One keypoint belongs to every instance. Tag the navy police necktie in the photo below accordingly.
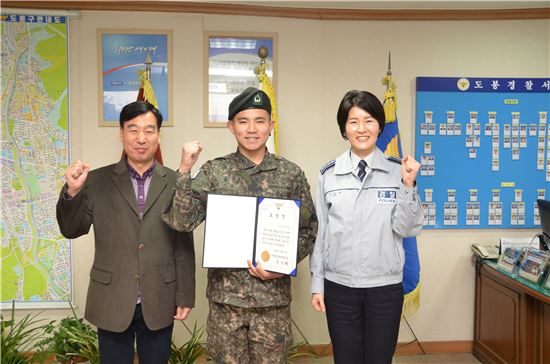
(362, 165)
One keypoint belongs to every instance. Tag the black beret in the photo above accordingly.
(251, 98)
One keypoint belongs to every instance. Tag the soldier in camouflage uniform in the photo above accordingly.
(249, 319)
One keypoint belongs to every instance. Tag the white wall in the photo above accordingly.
(318, 62)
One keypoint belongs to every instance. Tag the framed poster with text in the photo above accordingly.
(121, 54)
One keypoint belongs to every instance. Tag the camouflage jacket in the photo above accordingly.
(236, 175)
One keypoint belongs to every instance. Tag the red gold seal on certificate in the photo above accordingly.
(265, 256)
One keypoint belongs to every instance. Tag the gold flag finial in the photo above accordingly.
(388, 79)
(263, 52)
(148, 64)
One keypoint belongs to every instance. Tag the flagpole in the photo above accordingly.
(389, 64)
(267, 87)
(145, 93)
(148, 64)
(387, 80)
(411, 299)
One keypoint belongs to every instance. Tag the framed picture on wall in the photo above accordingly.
(230, 61)
(123, 55)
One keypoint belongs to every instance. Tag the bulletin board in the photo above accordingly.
(484, 148)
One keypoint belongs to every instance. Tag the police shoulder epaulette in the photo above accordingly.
(394, 159)
(328, 166)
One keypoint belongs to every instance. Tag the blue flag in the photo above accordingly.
(390, 143)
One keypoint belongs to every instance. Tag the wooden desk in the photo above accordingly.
(512, 320)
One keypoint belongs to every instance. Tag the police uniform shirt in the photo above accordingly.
(361, 224)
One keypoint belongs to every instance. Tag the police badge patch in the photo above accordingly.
(387, 196)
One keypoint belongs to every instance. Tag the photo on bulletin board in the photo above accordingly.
(123, 57)
(230, 61)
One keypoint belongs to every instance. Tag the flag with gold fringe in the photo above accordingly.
(267, 87)
(146, 93)
(390, 143)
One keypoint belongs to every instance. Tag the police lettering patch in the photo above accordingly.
(387, 196)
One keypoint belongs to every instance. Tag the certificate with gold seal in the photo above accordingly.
(260, 229)
(277, 235)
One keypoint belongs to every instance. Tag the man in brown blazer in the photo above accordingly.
(143, 274)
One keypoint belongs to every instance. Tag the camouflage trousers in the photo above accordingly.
(248, 335)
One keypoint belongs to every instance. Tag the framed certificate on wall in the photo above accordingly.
(230, 62)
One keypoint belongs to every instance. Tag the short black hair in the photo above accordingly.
(138, 108)
(364, 100)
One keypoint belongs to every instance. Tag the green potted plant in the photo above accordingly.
(71, 341)
(19, 337)
(191, 350)
(59, 343)
(86, 338)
